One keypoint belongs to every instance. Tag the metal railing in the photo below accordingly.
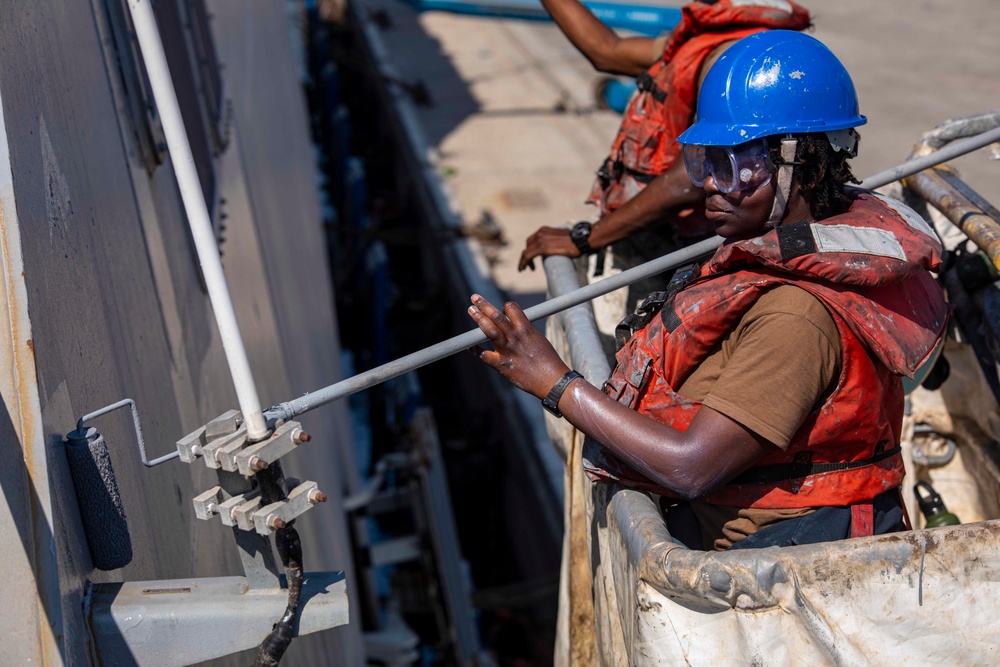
(575, 297)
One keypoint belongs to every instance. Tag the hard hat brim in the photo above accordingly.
(724, 134)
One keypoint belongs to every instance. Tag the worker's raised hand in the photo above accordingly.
(521, 354)
(546, 241)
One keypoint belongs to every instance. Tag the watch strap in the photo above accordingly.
(582, 241)
(551, 401)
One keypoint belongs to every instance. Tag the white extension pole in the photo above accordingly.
(197, 213)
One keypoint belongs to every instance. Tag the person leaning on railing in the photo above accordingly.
(762, 398)
(642, 182)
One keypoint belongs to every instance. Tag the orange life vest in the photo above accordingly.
(869, 268)
(663, 107)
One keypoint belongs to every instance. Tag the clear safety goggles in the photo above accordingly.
(742, 167)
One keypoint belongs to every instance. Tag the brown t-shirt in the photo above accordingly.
(775, 367)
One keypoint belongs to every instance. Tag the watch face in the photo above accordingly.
(580, 231)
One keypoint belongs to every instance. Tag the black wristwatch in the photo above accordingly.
(551, 402)
(580, 236)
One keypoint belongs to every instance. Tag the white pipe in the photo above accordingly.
(197, 214)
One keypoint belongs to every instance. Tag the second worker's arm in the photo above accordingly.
(670, 190)
(599, 44)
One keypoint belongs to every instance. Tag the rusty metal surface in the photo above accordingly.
(31, 596)
(967, 215)
(116, 310)
(956, 128)
(944, 190)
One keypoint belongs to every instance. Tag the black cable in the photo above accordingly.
(271, 490)
(277, 641)
(289, 546)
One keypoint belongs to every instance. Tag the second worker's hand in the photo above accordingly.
(546, 241)
(521, 353)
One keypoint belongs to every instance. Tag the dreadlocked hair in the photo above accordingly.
(821, 173)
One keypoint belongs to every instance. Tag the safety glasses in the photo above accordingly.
(734, 168)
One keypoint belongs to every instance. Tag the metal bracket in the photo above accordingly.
(188, 621)
(242, 514)
(206, 505)
(223, 443)
(259, 455)
(194, 445)
(276, 515)
(220, 452)
(244, 510)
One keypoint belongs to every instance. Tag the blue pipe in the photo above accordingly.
(615, 94)
(644, 19)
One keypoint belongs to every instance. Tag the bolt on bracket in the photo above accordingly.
(259, 455)
(277, 515)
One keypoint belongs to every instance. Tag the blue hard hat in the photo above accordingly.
(773, 82)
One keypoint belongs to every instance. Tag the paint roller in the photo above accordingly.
(98, 498)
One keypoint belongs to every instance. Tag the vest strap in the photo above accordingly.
(863, 519)
(784, 180)
(641, 176)
(611, 171)
(653, 304)
(645, 83)
(640, 317)
(668, 315)
(801, 467)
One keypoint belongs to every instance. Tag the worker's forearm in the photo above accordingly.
(648, 446)
(710, 451)
(665, 193)
(599, 44)
(587, 32)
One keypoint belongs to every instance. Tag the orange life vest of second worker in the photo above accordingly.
(869, 268)
(663, 108)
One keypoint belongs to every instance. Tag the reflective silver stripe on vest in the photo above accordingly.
(775, 4)
(857, 240)
(912, 218)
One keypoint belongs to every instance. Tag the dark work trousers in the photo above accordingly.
(827, 524)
